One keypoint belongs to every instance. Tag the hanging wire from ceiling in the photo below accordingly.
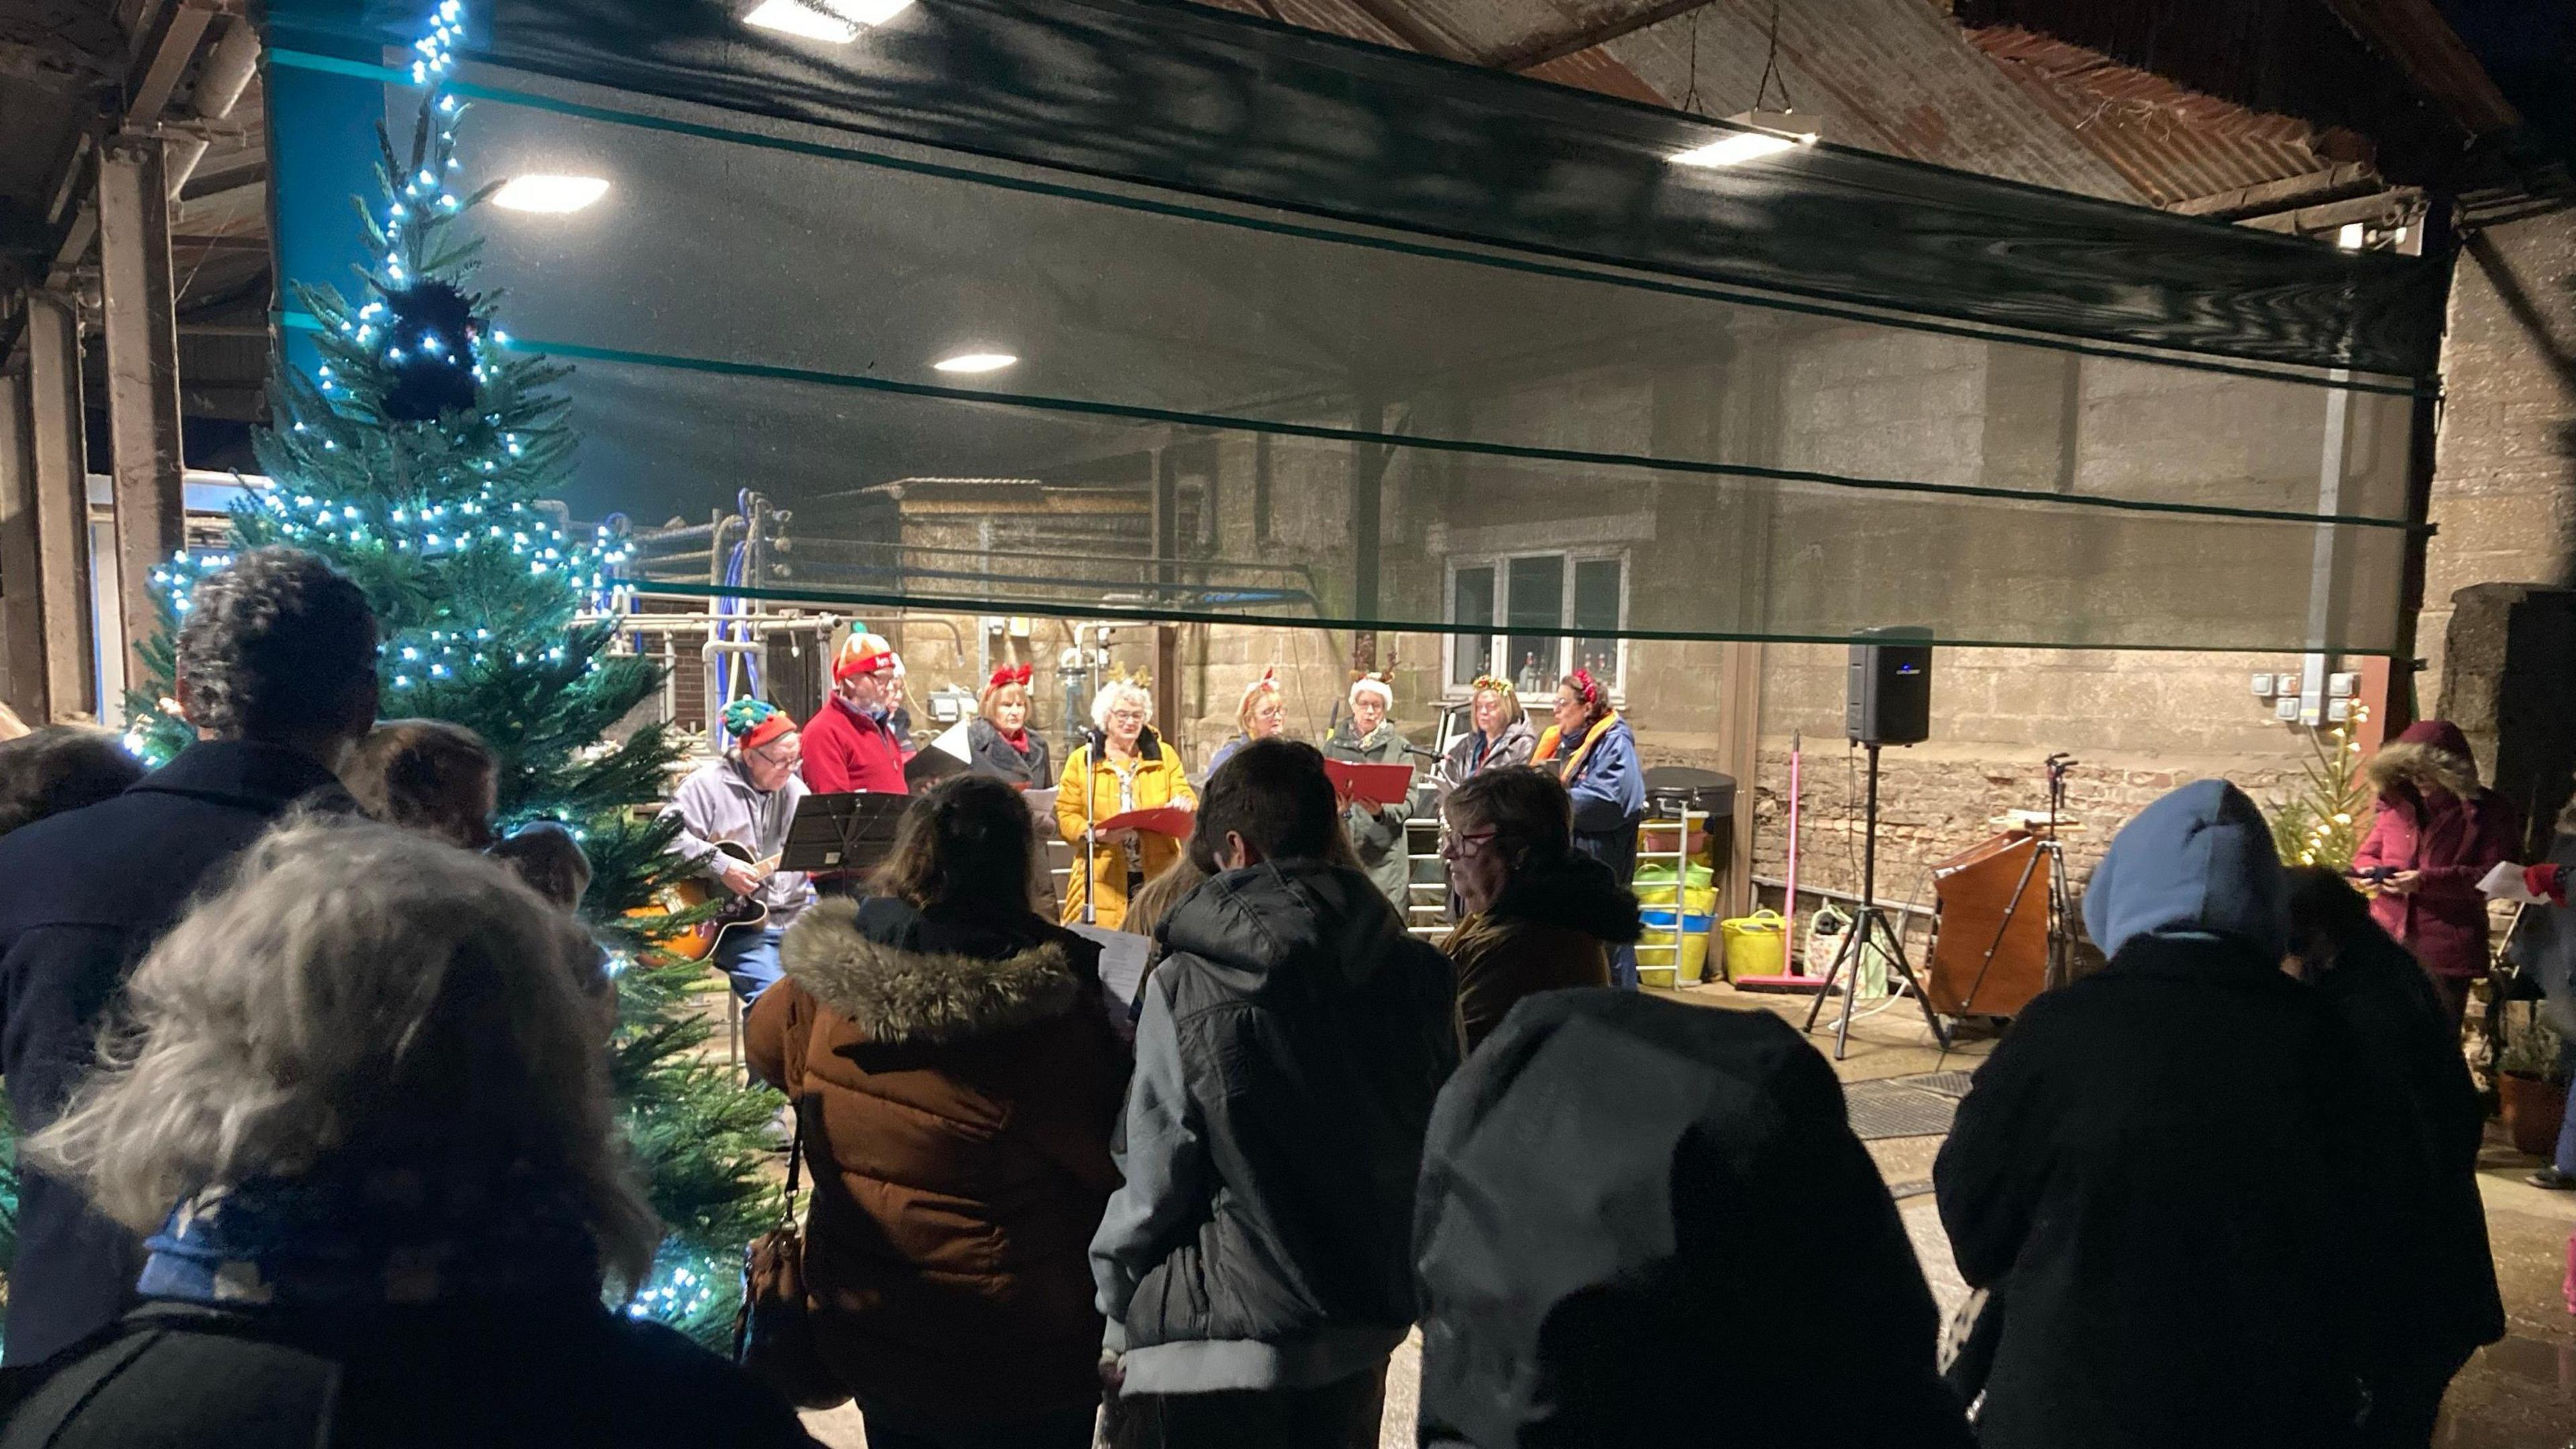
(1770, 66)
(1690, 94)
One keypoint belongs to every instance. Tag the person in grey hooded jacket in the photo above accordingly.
(1255, 1268)
(2162, 1174)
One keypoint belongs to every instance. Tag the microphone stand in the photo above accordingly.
(1090, 834)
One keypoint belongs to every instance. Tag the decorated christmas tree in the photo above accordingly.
(416, 458)
(2322, 821)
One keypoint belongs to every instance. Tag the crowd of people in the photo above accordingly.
(322, 1149)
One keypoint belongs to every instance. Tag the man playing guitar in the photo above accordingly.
(744, 802)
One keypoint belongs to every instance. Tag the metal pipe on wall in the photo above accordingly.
(221, 80)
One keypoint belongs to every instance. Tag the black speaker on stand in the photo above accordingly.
(1888, 702)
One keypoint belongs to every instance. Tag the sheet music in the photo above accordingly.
(1122, 972)
(2505, 883)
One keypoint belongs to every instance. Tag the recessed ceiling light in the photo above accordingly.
(549, 193)
(975, 362)
(1766, 133)
(834, 22)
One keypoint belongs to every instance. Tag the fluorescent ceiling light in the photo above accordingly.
(834, 22)
(1731, 150)
(867, 12)
(975, 362)
(1765, 133)
(549, 193)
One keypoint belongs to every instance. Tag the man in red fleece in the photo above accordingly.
(850, 743)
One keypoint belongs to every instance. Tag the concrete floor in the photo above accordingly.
(2517, 1394)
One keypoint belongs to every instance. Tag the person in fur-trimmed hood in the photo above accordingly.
(956, 1081)
(2437, 832)
(1540, 915)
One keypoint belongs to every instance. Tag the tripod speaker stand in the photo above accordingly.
(1870, 923)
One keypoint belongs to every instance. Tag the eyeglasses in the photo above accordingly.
(769, 753)
(1459, 844)
(1129, 716)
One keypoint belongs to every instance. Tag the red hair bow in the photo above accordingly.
(1009, 674)
(1585, 687)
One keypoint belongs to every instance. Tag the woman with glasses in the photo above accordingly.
(746, 800)
(1377, 832)
(1591, 749)
(1540, 915)
(1262, 716)
(1127, 766)
(1502, 736)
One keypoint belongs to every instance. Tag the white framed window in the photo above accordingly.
(1518, 595)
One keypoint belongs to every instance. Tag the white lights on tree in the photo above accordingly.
(1765, 133)
(549, 194)
(976, 362)
(834, 22)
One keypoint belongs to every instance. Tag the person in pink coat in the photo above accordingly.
(2437, 833)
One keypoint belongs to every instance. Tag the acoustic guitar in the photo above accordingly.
(698, 941)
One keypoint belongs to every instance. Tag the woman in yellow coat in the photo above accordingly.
(1135, 771)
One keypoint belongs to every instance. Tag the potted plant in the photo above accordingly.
(2531, 1087)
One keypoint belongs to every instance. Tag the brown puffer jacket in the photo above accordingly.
(956, 1081)
(1550, 930)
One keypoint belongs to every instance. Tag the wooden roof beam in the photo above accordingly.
(1538, 51)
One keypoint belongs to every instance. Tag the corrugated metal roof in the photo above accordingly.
(1896, 76)
(2172, 144)
(1890, 75)
(1592, 70)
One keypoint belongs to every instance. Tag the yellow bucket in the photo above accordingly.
(1683, 952)
(1756, 945)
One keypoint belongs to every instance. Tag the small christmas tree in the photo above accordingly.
(2323, 820)
(415, 459)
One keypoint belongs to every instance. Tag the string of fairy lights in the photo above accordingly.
(499, 526)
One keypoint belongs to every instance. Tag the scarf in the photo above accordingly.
(357, 1232)
(1017, 739)
(1573, 766)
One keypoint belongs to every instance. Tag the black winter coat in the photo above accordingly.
(494, 1377)
(1648, 1225)
(82, 897)
(2442, 1285)
(1292, 1040)
(2164, 1174)
(994, 755)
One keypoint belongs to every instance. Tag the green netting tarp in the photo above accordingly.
(1307, 331)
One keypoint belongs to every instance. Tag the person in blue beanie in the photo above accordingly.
(2163, 1175)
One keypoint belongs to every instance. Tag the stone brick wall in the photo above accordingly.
(2504, 486)
(1935, 801)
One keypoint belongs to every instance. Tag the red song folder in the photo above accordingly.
(1375, 785)
(1169, 820)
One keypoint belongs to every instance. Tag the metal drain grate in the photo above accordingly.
(1948, 1084)
(1897, 1108)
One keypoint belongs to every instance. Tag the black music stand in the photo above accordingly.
(842, 834)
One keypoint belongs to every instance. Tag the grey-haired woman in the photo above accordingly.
(361, 1113)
